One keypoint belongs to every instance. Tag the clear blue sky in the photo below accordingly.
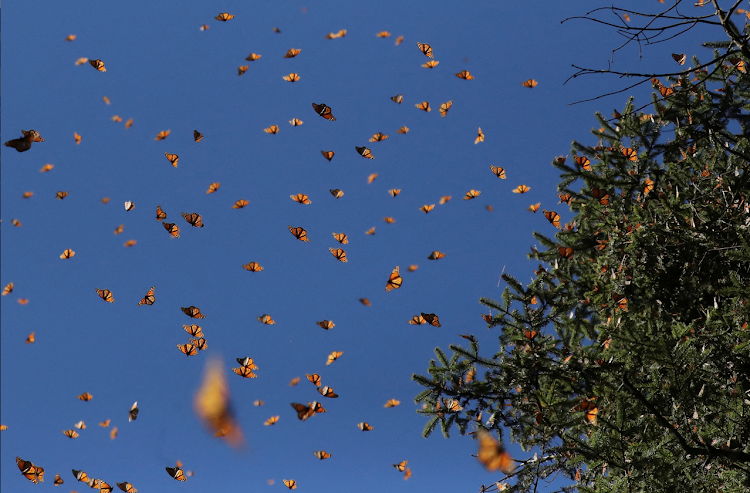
(165, 73)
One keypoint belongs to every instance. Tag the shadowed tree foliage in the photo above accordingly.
(625, 364)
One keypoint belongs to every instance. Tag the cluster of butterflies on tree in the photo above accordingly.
(212, 403)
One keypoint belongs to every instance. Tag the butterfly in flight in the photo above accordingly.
(223, 17)
(321, 454)
(431, 64)
(105, 294)
(531, 83)
(401, 465)
(445, 107)
(290, 483)
(253, 267)
(133, 413)
(33, 473)
(431, 319)
(24, 143)
(327, 154)
(324, 111)
(197, 135)
(301, 198)
(392, 403)
(192, 312)
(172, 229)
(394, 281)
(464, 74)
(341, 238)
(365, 426)
(492, 455)
(364, 152)
(149, 298)
(471, 194)
(67, 254)
(480, 136)
(240, 204)
(291, 77)
(176, 473)
(299, 233)
(193, 219)
(98, 65)
(162, 135)
(293, 52)
(333, 357)
(425, 49)
(339, 254)
(399, 98)
(336, 193)
(424, 105)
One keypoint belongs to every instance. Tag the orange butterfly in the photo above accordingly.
(188, 349)
(436, 255)
(194, 219)
(620, 302)
(291, 53)
(336, 193)
(341, 238)
(392, 403)
(299, 233)
(383, 34)
(417, 320)
(61, 195)
(247, 363)
(221, 17)
(521, 189)
(529, 83)
(290, 483)
(431, 64)
(401, 465)
(129, 206)
(85, 397)
(471, 194)
(389, 220)
(371, 178)
(339, 254)
(431, 319)
(630, 153)
(271, 421)
(212, 404)
(273, 129)
(314, 379)
(76, 137)
(240, 204)
(176, 472)
(565, 197)
(378, 137)
(46, 168)
(403, 130)
(326, 324)
(365, 301)
(149, 298)
(394, 191)
(399, 40)
(365, 426)
(464, 74)
(172, 229)
(266, 319)
(296, 122)
(31, 339)
(129, 123)
(199, 343)
(499, 172)
(8, 288)
(565, 252)
(98, 65)
(70, 433)
(601, 195)
(301, 198)
(394, 281)
(67, 253)
(103, 424)
(427, 208)
(445, 107)
(324, 111)
(424, 105)
(480, 136)
(407, 473)
(129, 243)
(425, 49)
(162, 135)
(364, 152)
(553, 217)
(327, 154)
(252, 57)
(116, 118)
(160, 214)
(245, 372)
(590, 408)
(398, 98)
(306, 411)
(197, 135)
(58, 480)
(492, 455)
(192, 312)
(321, 454)
(105, 294)
(127, 487)
(27, 195)
(583, 162)
(649, 186)
(33, 473)
(253, 267)
(444, 199)
(327, 392)
(242, 69)
(291, 77)
(333, 357)
(193, 330)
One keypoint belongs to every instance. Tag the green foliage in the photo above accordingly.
(626, 364)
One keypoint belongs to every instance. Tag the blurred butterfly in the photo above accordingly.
(242, 69)
(306, 411)
(339, 254)
(394, 191)
(296, 122)
(85, 397)
(565, 252)
(499, 172)
(192, 312)
(194, 219)
(105, 294)
(213, 187)
(271, 421)
(394, 281)
(620, 302)
(70, 433)
(213, 405)
(24, 143)
(299, 233)
(103, 424)
(403, 130)
(431, 319)
(398, 98)
(464, 74)
(471, 194)
(324, 111)
(424, 105)
(364, 152)
(149, 298)
(333, 357)
(425, 49)
(407, 473)
(176, 472)
(98, 65)
(61, 195)
(392, 403)
(341, 238)
(67, 253)
(193, 330)
(240, 204)
(27, 195)
(589, 408)
(401, 465)
(445, 107)
(133, 413)
(436, 255)
(188, 349)
(314, 379)
(301, 198)
(247, 363)
(129, 123)
(383, 34)
(341, 33)
(8, 288)
(33, 473)
(321, 454)
(534, 207)
(291, 77)
(553, 217)
(81, 61)
(197, 135)
(521, 189)
(80, 425)
(417, 320)
(336, 193)
(46, 167)
(444, 199)
(162, 135)
(172, 229)
(23, 301)
(679, 58)
(129, 206)
(601, 195)
(222, 17)
(294, 381)
(529, 83)
(252, 57)
(365, 301)
(293, 52)
(327, 154)
(365, 426)
(266, 319)
(389, 220)
(253, 267)
(273, 129)
(77, 138)
(480, 137)
(290, 483)
(58, 480)
(378, 137)
(431, 64)
(127, 487)
(327, 392)
(70, 37)
(116, 118)
(399, 40)
(245, 372)
(371, 178)
(276, 30)
(492, 455)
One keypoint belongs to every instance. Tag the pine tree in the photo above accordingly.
(625, 364)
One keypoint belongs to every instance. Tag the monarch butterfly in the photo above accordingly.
(27, 195)
(160, 214)
(80, 425)
(394, 281)
(464, 74)
(258, 403)
(378, 137)
(499, 172)
(531, 83)
(222, 17)
(199, 343)
(172, 229)
(492, 455)
(127, 487)
(341, 238)
(394, 191)
(70, 433)
(399, 40)
(213, 187)
(431, 319)
(339, 254)
(46, 167)
(365, 426)
(398, 98)
(649, 186)
(77, 138)
(407, 473)
(341, 33)
(266, 319)
(8, 288)
(327, 392)
(417, 320)
(521, 189)
(194, 219)
(240, 204)
(61, 195)
(301, 198)
(245, 371)
(331, 36)
(273, 129)
(401, 465)
(324, 111)
(103, 424)
(116, 118)
(105, 294)
(133, 413)
(431, 64)
(314, 379)
(436, 255)
(389, 220)
(299, 233)
(67, 253)
(291, 77)
(291, 53)
(392, 403)
(81, 61)
(590, 408)
(370, 231)
(296, 122)
(328, 155)
(247, 363)
(424, 105)
(445, 107)
(304, 412)
(271, 421)
(192, 312)
(242, 69)
(58, 480)
(553, 217)
(252, 57)
(534, 207)
(129, 123)
(188, 349)
(426, 49)
(601, 195)
(403, 130)
(162, 135)
(80, 475)
(471, 194)
(129, 206)
(70, 37)
(336, 193)
(565, 197)
(383, 34)
(253, 267)
(321, 454)
(679, 58)
(630, 153)
(98, 65)
(193, 330)
(620, 302)
(333, 357)
(480, 137)
(33, 473)
(149, 298)
(444, 199)
(371, 178)
(85, 397)
(365, 301)
(364, 152)
(565, 252)
(23, 301)
(583, 162)
(176, 472)
(290, 483)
